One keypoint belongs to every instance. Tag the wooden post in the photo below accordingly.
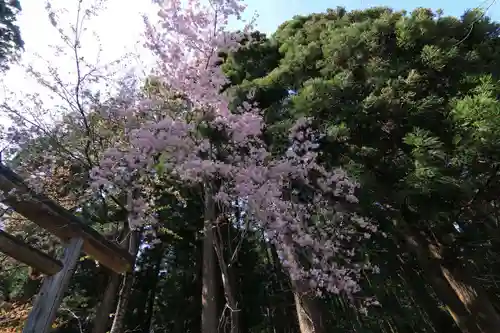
(52, 292)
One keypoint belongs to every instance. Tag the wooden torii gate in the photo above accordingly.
(71, 230)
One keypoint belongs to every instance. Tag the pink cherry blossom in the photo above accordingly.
(318, 229)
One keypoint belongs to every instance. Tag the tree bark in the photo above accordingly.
(440, 320)
(228, 285)
(309, 311)
(102, 316)
(209, 288)
(466, 302)
(126, 289)
(279, 312)
(148, 322)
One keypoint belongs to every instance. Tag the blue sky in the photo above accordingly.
(120, 26)
(274, 12)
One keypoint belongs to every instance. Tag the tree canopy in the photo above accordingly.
(339, 175)
(10, 34)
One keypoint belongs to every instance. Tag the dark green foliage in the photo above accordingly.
(408, 103)
(384, 87)
(10, 35)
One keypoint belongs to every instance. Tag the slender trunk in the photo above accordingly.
(417, 289)
(440, 320)
(102, 316)
(126, 289)
(279, 311)
(231, 302)
(466, 302)
(101, 321)
(121, 308)
(209, 288)
(152, 295)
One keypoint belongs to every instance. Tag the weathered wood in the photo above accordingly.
(61, 223)
(28, 255)
(52, 292)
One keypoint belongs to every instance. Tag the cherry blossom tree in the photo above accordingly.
(57, 133)
(222, 151)
(305, 210)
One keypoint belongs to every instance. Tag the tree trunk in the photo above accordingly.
(228, 284)
(101, 321)
(309, 311)
(440, 320)
(126, 290)
(106, 306)
(466, 302)
(147, 324)
(279, 309)
(209, 288)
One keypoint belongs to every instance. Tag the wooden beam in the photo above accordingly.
(28, 255)
(52, 292)
(61, 223)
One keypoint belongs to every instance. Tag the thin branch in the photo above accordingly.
(80, 108)
(74, 316)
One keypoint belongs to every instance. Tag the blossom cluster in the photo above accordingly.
(302, 207)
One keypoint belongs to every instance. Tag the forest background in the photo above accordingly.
(396, 112)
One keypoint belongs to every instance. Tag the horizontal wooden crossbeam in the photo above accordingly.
(28, 255)
(62, 223)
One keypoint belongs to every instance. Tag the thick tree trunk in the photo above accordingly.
(102, 316)
(466, 302)
(209, 318)
(309, 311)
